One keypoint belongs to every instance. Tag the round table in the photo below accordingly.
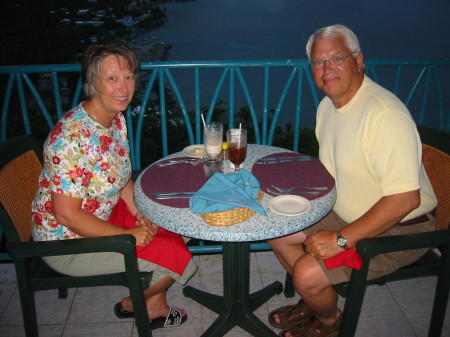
(236, 306)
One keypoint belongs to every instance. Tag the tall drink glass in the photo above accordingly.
(213, 138)
(237, 147)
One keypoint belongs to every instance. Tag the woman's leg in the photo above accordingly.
(104, 263)
(155, 298)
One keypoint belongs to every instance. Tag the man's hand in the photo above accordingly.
(322, 244)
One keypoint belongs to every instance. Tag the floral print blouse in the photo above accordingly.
(82, 159)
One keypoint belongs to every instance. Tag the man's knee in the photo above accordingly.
(308, 276)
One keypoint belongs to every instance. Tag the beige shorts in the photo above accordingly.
(110, 262)
(381, 264)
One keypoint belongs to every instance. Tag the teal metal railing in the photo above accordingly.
(267, 94)
(274, 92)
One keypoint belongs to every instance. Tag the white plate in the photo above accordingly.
(195, 151)
(290, 205)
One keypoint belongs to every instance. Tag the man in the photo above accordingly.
(369, 143)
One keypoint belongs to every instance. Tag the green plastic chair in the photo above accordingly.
(436, 262)
(19, 171)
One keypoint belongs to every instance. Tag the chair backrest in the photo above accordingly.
(437, 166)
(19, 173)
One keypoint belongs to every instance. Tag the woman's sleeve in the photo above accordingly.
(70, 163)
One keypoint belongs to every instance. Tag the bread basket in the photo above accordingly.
(232, 216)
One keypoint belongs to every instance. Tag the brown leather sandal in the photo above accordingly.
(313, 328)
(290, 315)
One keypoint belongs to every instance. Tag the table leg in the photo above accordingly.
(236, 306)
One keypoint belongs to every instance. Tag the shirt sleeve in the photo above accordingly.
(395, 152)
(70, 163)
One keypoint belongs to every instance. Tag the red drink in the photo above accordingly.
(237, 155)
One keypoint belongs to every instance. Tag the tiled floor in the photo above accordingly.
(400, 309)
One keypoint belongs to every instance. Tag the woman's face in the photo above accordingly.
(115, 86)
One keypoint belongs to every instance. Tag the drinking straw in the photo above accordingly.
(203, 119)
(239, 135)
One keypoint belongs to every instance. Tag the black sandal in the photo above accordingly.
(121, 312)
(173, 318)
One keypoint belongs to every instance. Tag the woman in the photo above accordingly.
(85, 188)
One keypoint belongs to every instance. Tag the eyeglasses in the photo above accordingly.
(333, 61)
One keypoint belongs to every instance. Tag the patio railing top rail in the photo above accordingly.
(266, 95)
(274, 93)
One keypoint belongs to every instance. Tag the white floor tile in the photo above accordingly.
(400, 309)
(6, 294)
(50, 309)
(121, 329)
(96, 305)
(7, 273)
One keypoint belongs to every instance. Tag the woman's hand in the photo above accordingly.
(144, 231)
(322, 244)
(144, 234)
(142, 221)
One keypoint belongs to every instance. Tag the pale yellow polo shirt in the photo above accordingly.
(372, 148)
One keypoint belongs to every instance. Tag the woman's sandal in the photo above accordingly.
(121, 312)
(290, 315)
(174, 317)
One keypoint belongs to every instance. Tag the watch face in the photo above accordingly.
(341, 242)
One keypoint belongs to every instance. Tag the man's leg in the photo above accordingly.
(315, 289)
(288, 249)
(318, 294)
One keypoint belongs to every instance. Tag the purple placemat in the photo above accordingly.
(302, 173)
(181, 177)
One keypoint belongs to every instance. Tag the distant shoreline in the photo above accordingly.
(148, 46)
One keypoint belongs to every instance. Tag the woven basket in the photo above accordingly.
(232, 216)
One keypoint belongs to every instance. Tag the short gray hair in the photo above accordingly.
(91, 67)
(334, 31)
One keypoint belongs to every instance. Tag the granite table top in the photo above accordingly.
(175, 215)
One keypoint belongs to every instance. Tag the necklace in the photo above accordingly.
(94, 112)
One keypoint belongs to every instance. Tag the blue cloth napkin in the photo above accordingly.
(223, 192)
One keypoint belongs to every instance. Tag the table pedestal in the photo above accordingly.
(236, 306)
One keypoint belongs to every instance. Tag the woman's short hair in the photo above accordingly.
(334, 31)
(93, 57)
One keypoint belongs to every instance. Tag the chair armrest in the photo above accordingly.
(368, 248)
(124, 243)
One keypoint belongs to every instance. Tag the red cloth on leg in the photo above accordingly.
(167, 249)
(348, 257)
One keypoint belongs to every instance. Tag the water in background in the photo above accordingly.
(278, 29)
(207, 30)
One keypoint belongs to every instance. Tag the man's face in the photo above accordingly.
(338, 82)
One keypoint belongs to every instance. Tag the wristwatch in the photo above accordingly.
(341, 241)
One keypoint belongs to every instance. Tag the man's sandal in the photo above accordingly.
(313, 328)
(290, 315)
(174, 317)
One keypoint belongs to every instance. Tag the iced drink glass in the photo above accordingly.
(237, 146)
(213, 138)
